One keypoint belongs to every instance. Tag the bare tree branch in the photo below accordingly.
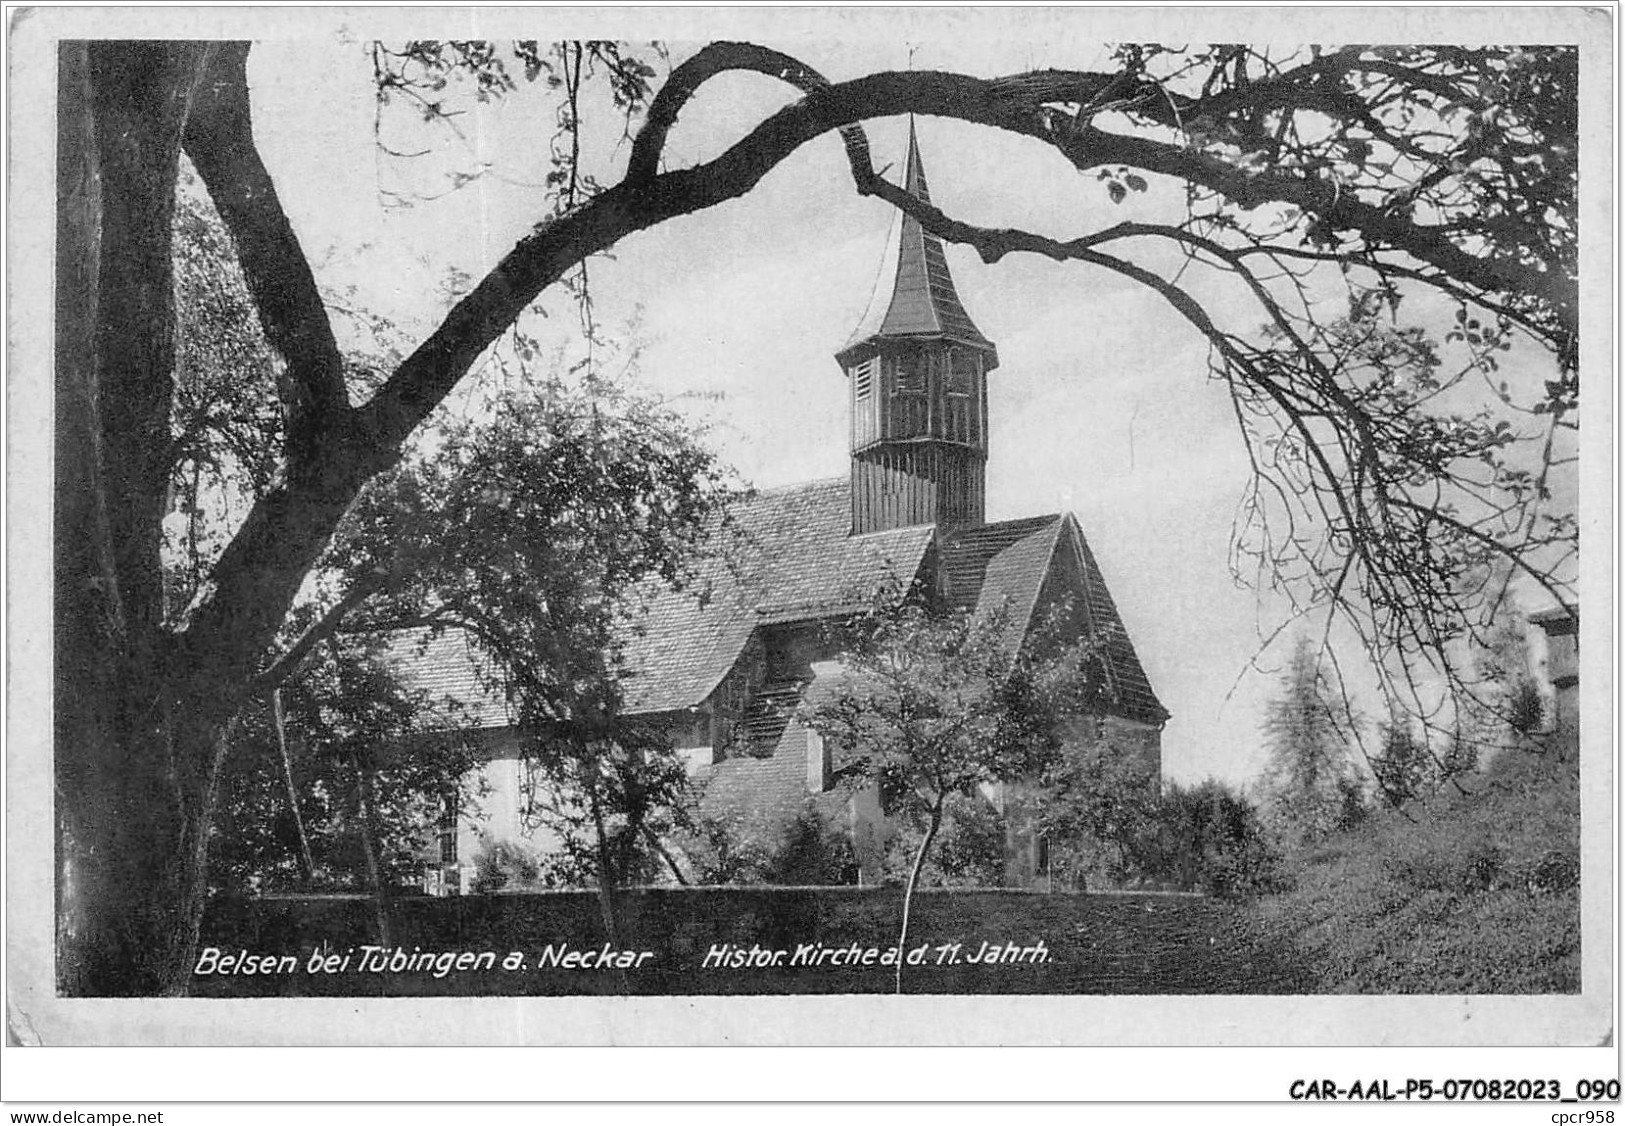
(710, 61)
(320, 630)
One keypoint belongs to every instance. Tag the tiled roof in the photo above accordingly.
(681, 645)
(770, 786)
(1130, 686)
(915, 295)
(1000, 565)
(1005, 564)
(450, 666)
(788, 557)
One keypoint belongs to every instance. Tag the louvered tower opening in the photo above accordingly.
(917, 376)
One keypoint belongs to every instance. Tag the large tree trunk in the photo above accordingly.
(137, 740)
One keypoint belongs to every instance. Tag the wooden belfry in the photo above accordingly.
(916, 370)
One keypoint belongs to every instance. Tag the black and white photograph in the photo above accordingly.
(954, 526)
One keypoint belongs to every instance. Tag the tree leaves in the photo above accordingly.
(1120, 181)
(932, 705)
(531, 530)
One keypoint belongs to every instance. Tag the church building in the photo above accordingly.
(721, 674)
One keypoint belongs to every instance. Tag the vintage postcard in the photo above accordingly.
(1056, 527)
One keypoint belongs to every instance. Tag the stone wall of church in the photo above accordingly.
(1143, 740)
(492, 810)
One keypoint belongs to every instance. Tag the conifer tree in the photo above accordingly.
(1310, 786)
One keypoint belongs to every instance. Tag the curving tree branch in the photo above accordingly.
(709, 62)
(287, 528)
(219, 139)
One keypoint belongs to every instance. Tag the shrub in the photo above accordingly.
(812, 851)
(1098, 808)
(731, 847)
(969, 850)
(1209, 838)
(1109, 822)
(500, 863)
(1310, 784)
(1458, 866)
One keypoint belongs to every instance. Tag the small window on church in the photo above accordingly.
(448, 830)
(961, 372)
(910, 377)
(863, 379)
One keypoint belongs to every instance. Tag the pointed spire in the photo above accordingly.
(914, 296)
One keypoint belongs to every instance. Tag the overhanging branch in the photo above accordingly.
(323, 628)
(288, 526)
(709, 62)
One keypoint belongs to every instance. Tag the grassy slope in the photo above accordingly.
(1476, 893)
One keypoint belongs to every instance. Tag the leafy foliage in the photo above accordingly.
(1100, 803)
(970, 849)
(727, 847)
(345, 713)
(934, 705)
(1210, 838)
(528, 523)
(730, 845)
(1402, 766)
(812, 850)
(532, 529)
(342, 706)
(611, 791)
(1507, 700)
(226, 422)
(504, 865)
(1112, 822)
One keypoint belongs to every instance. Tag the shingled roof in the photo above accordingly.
(767, 782)
(450, 666)
(1000, 565)
(1130, 687)
(789, 557)
(1005, 564)
(914, 295)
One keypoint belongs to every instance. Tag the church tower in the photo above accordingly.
(916, 372)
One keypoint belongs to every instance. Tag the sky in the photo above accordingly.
(1101, 404)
